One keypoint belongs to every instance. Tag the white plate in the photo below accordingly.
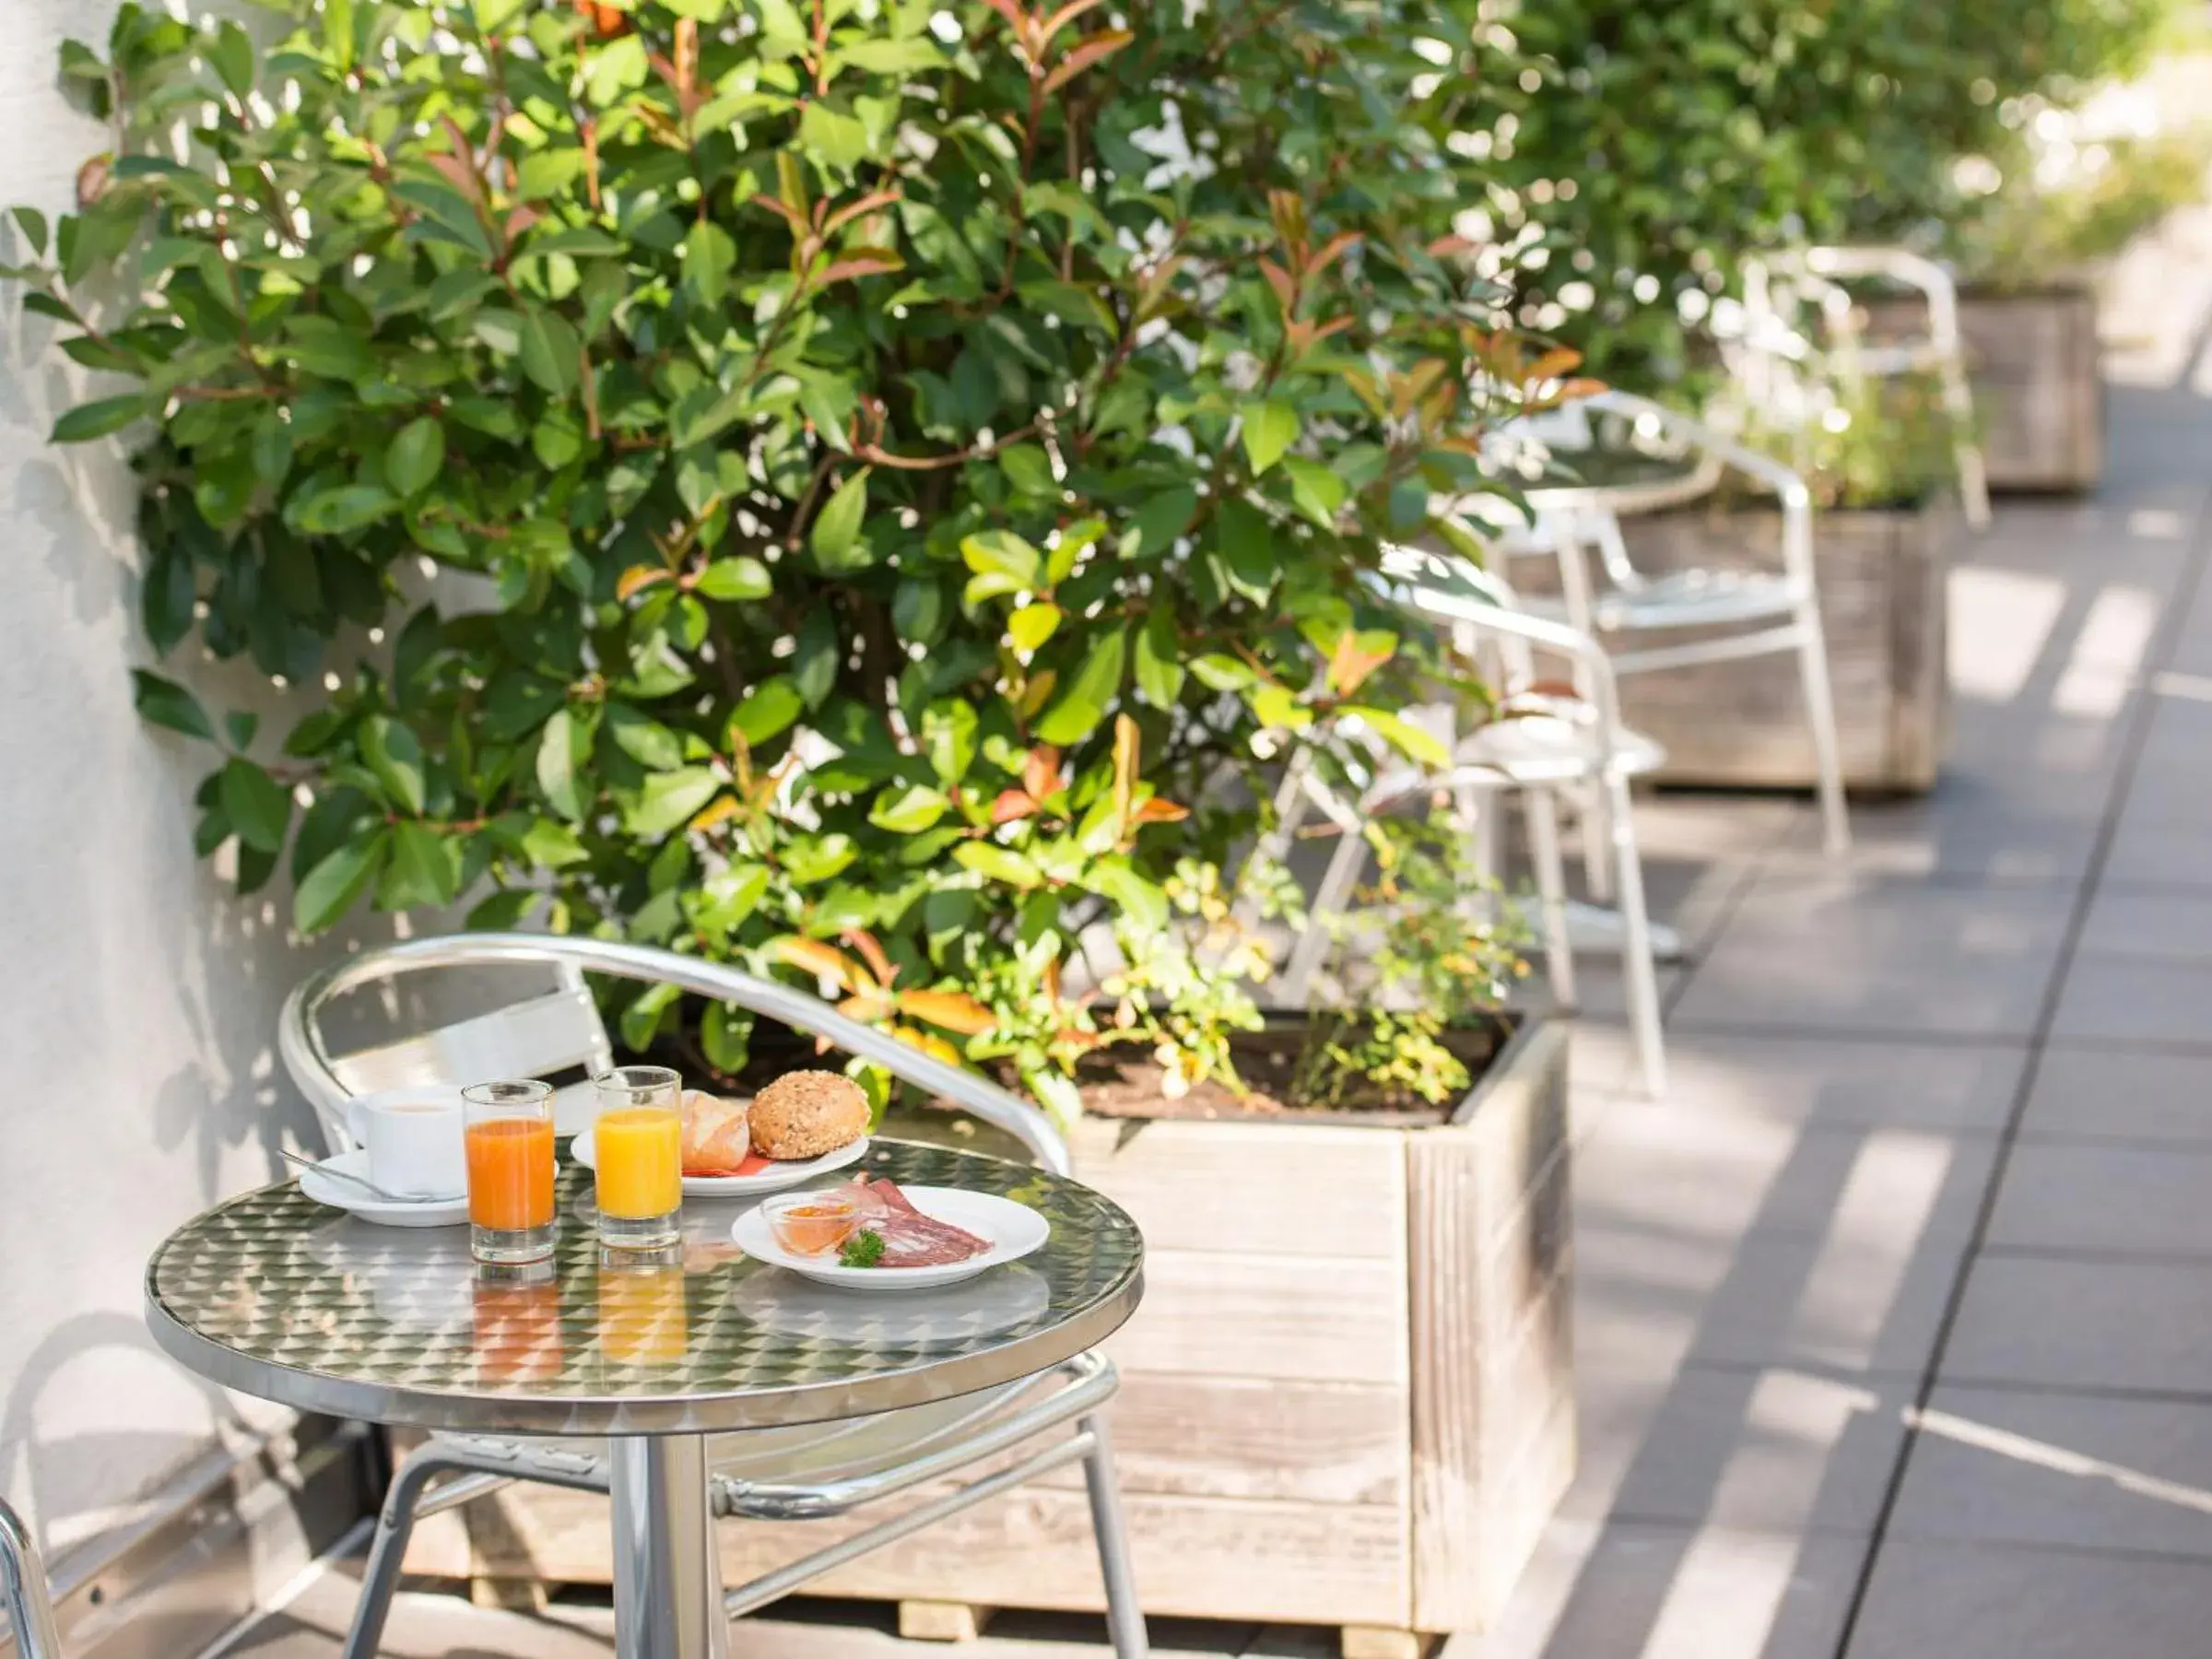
(783, 1175)
(949, 1315)
(1015, 1230)
(345, 1196)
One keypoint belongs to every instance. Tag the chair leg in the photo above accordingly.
(1973, 471)
(23, 1596)
(1543, 808)
(1124, 1614)
(1598, 842)
(1636, 964)
(1820, 720)
(1329, 898)
(394, 1524)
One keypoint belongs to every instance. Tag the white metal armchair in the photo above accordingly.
(1785, 292)
(23, 1593)
(1730, 613)
(1041, 1423)
(1576, 747)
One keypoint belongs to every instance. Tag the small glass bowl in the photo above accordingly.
(811, 1224)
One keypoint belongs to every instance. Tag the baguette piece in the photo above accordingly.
(807, 1114)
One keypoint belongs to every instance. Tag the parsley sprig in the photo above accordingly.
(864, 1249)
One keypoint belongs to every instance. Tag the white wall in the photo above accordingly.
(137, 997)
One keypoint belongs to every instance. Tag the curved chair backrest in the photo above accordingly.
(23, 1594)
(551, 1033)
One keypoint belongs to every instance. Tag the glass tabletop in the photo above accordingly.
(276, 1295)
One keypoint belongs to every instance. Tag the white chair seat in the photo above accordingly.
(1694, 598)
(1545, 748)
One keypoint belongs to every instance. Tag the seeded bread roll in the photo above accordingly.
(808, 1113)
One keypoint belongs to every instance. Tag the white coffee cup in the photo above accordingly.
(414, 1137)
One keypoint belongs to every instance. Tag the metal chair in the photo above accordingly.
(1734, 614)
(1576, 745)
(23, 1590)
(1779, 288)
(802, 1473)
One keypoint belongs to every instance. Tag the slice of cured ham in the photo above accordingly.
(910, 1238)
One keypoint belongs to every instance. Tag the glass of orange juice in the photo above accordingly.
(638, 1151)
(509, 1138)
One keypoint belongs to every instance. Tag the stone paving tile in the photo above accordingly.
(2085, 1472)
(1814, 952)
(1647, 1591)
(1864, 1301)
(1842, 1082)
(1772, 1450)
(1967, 1601)
(2167, 926)
(2159, 846)
(2136, 999)
(2046, 1321)
(2120, 1094)
(2090, 1199)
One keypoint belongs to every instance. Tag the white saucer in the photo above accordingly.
(1015, 1230)
(793, 1173)
(345, 1196)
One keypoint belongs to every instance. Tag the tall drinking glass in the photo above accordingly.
(510, 1141)
(637, 1147)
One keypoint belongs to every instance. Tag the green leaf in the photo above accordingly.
(708, 256)
(167, 597)
(948, 738)
(417, 452)
(643, 1019)
(1082, 701)
(394, 755)
(836, 532)
(335, 511)
(910, 810)
(995, 862)
(771, 706)
(166, 704)
(1002, 554)
(1317, 490)
(551, 845)
(423, 869)
(503, 911)
(272, 448)
(735, 579)
(1247, 543)
(643, 739)
(726, 1033)
(670, 800)
(256, 805)
(813, 665)
(232, 53)
(32, 223)
(97, 418)
(240, 725)
(1270, 428)
(1160, 671)
(836, 140)
(331, 888)
(562, 750)
(1163, 517)
(1409, 739)
(550, 351)
(1032, 625)
(1141, 902)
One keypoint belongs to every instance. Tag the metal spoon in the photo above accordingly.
(366, 1184)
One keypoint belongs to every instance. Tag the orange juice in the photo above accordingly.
(642, 1319)
(511, 1174)
(640, 1154)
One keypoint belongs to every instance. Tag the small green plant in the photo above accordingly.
(1435, 950)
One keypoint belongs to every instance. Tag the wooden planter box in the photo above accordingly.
(1883, 605)
(2033, 360)
(1347, 1398)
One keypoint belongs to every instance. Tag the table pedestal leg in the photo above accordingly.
(667, 1572)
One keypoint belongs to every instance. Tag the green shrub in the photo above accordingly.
(1659, 145)
(911, 449)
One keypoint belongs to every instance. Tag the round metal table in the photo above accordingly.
(274, 1295)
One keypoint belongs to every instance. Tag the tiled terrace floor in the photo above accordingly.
(1895, 1334)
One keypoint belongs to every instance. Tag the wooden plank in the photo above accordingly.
(1322, 1319)
(942, 1620)
(1245, 1437)
(1281, 1189)
(1491, 1277)
(1193, 1556)
(1378, 1641)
